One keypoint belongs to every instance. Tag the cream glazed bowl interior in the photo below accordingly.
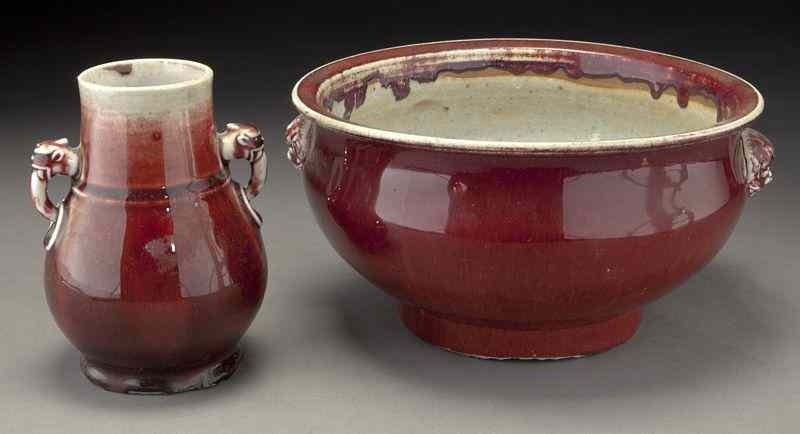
(524, 198)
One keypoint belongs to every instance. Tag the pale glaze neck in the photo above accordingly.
(148, 124)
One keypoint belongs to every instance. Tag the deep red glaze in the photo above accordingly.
(517, 242)
(158, 265)
(507, 252)
(507, 343)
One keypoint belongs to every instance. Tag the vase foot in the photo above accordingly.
(146, 382)
(488, 342)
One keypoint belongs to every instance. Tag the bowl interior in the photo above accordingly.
(533, 94)
(498, 105)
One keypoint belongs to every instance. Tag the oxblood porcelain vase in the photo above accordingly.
(525, 198)
(154, 264)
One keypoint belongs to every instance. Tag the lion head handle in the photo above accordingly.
(753, 156)
(299, 134)
(240, 141)
(50, 158)
(244, 141)
(54, 157)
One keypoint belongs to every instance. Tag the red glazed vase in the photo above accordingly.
(525, 198)
(155, 265)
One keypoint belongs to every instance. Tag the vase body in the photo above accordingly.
(155, 265)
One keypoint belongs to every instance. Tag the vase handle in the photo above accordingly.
(50, 157)
(299, 133)
(753, 157)
(244, 141)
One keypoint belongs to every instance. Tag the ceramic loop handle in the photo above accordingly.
(244, 141)
(299, 133)
(754, 154)
(51, 157)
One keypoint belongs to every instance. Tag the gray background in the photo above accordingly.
(327, 352)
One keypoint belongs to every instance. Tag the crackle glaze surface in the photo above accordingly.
(529, 250)
(157, 268)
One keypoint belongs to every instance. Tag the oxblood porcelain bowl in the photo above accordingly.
(525, 198)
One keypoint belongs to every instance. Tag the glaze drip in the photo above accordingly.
(658, 78)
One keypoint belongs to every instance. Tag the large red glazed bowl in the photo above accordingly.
(525, 198)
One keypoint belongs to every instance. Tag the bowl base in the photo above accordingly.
(146, 382)
(488, 342)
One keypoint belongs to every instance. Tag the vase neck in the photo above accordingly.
(147, 124)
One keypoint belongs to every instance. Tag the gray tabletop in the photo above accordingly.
(327, 352)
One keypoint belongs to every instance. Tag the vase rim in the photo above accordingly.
(195, 73)
(148, 86)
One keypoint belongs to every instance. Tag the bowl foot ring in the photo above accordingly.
(147, 382)
(489, 342)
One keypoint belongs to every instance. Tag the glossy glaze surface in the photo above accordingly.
(515, 249)
(157, 266)
(523, 240)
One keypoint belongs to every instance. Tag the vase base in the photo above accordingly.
(146, 382)
(549, 343)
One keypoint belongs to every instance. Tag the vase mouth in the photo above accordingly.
(332, 95)
(142, 75)
(146, 86)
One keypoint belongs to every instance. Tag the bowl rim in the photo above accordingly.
(304, 99)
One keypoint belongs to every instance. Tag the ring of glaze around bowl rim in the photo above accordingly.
(305, 97)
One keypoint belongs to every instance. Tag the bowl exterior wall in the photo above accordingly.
(523, 240)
